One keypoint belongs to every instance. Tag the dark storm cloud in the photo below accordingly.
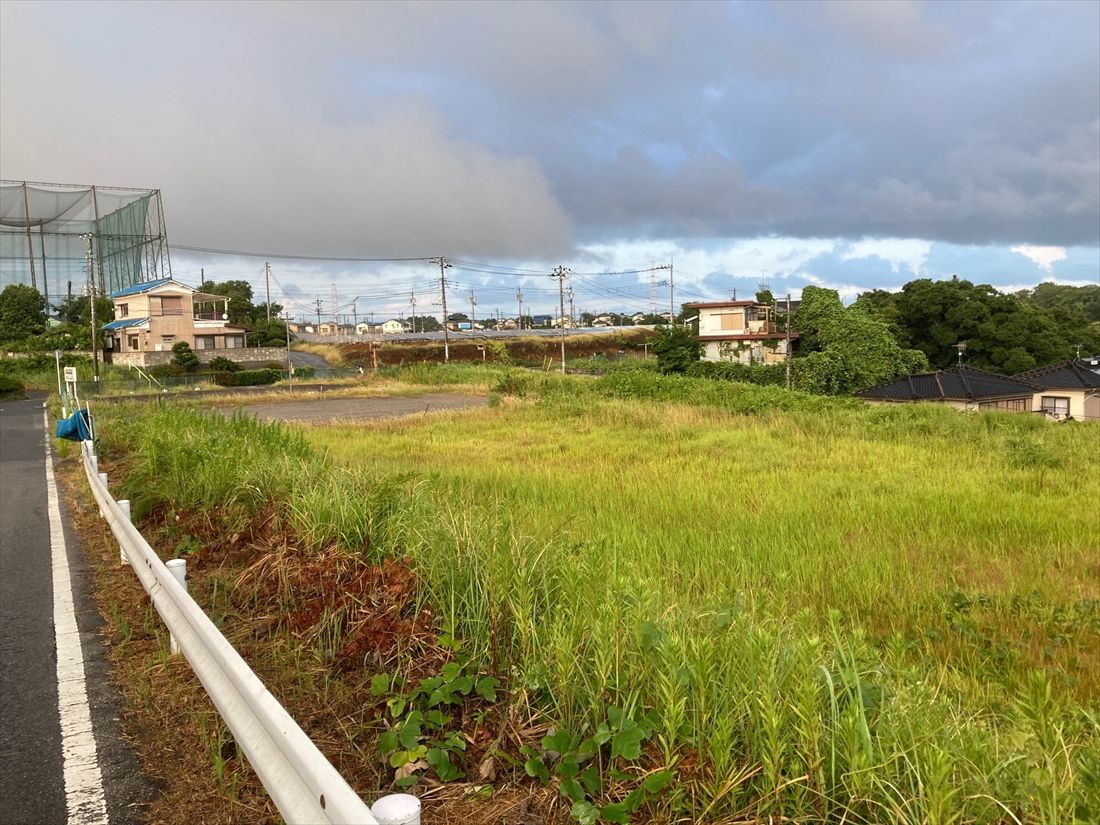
(523, 129)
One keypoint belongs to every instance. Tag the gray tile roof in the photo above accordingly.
(1074, 374)
(960, 382)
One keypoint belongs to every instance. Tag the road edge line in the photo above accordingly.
(84, 797)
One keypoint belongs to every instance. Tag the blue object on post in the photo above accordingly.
(75, 427)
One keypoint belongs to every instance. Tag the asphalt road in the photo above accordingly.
(32, 759)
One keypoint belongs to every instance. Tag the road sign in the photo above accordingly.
(70, 374)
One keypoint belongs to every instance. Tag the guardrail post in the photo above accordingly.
(95, 461)
(178, 569)
(124, 506)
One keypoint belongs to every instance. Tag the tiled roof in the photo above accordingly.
(137, 289)
(1076, 373)
(957, 382)
(122, 323)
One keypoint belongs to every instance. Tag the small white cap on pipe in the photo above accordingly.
(397, 809)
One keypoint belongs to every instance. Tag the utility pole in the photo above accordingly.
(519, 308)
(473, 309)
(412, 303)
(572, 316)
(267, 287)
(318, 302)
(443, 294)
(355, 313)
(561, 273)
(202, 277)
(788, 359)
(91, 304)
(335, 317)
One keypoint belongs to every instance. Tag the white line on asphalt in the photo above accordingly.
(83, 781)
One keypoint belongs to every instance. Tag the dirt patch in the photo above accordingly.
(531, 349)
(321, 410)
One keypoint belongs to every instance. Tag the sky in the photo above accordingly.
(847, 144)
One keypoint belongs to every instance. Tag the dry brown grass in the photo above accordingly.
(277, 606)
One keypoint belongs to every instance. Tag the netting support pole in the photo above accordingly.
(30, 243)
(163, 235)
(98, 244)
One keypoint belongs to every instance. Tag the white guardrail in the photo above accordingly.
(303, 784)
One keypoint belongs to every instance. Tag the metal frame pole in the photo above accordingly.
(30, 243)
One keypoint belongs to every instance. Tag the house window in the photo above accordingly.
(168, 339)
(729, 321)
(171, 305)
(234, 341)
(1055, 405)
(133, 342)
(1012, 404)
(123, 310)
(204, 342)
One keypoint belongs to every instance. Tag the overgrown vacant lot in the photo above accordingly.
(730, 603)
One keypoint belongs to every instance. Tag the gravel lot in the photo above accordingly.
(323, 410)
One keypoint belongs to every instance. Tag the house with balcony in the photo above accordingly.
(150, 318)
(741, 331)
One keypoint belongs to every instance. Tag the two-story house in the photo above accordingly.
(741, 331)
(153, 316)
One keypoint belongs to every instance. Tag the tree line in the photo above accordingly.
(884, 335)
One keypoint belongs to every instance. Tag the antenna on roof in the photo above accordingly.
(961, 347)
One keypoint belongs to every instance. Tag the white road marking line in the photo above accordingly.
(83, 781)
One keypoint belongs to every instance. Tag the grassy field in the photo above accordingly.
(739, 604)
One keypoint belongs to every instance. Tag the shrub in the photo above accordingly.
(183, 356)
(676, 348)
(223, 364)
(247, 378)
(304, 372)
(763, 374)
(11, 387)
(167, 370)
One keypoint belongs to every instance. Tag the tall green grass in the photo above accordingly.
(827, 611)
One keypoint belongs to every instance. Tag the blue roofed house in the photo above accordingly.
(151, 317)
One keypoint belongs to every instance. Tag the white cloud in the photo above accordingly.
(911, 252)
(1044, 256)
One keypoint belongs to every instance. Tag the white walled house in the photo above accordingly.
(740, 331)
(1068, 389)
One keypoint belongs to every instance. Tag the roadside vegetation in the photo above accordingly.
(660, 598)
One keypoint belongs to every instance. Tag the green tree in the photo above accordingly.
(1002, 333)
(78, 310)
(239, 293)
(851, 349)
(427, 323)
(676, 348)
(268, 333)
(22, 312)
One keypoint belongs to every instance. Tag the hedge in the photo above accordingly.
(247, 378)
